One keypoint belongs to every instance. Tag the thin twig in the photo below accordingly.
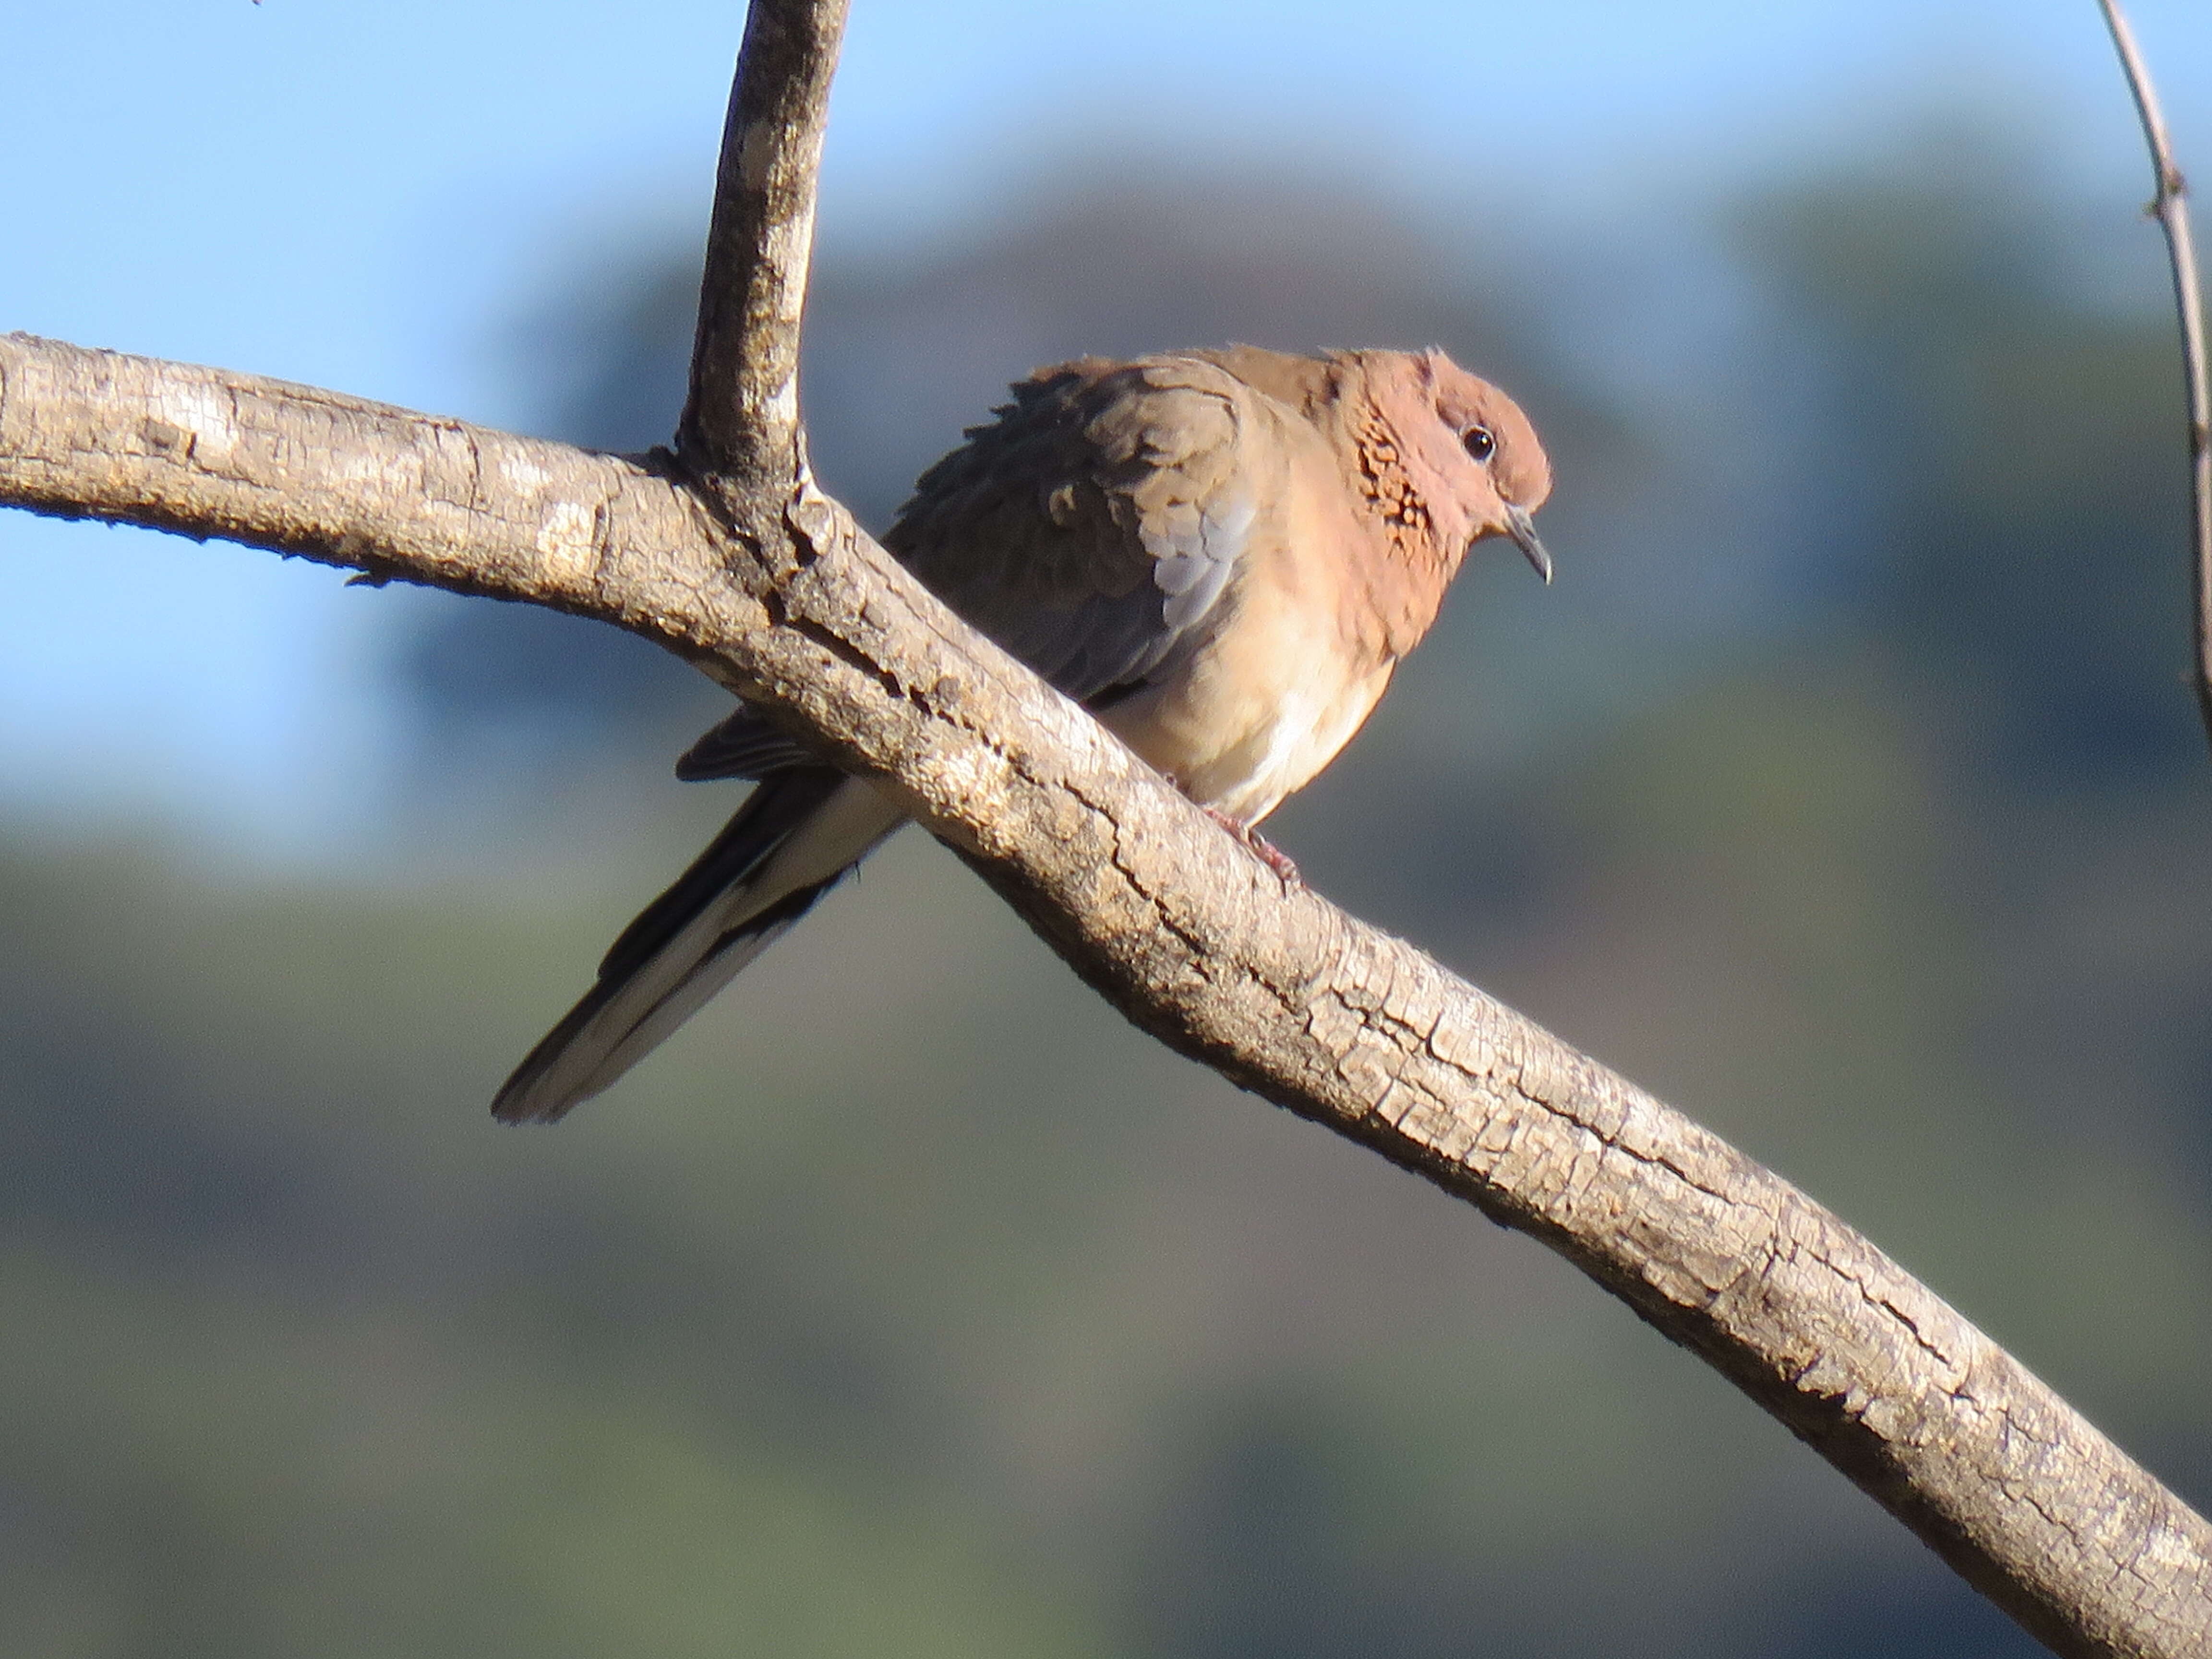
(742, 417)
(2170, 207)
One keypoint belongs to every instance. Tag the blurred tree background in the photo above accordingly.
(1845, 793)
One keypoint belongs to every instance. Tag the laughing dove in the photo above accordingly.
(1222, 555)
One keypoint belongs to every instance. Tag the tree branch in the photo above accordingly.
(778, 595)
(2170, 207)
(742, 417)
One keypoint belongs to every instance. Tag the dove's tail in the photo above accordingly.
(798, 833)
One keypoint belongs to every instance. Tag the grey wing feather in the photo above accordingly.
(1090, 531)
(1096, 523)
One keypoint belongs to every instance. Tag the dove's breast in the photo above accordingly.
(1290, 667)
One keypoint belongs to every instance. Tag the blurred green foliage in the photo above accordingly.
(909, 1303)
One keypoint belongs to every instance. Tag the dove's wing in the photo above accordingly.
(1090, 529)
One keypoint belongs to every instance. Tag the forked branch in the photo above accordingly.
(769, 586)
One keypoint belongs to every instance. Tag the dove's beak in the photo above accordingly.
(1523, 529)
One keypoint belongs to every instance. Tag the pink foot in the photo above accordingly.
(1260, 847)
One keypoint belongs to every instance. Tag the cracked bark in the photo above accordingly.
(736, 561)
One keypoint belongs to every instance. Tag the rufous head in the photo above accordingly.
(1469, 450)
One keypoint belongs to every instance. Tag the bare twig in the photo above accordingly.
(777, 594)
(742, 417)
(2170, 207)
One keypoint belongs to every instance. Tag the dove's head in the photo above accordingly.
(1473, 456)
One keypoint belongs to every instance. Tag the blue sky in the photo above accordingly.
(361, 196)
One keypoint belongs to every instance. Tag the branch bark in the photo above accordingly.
(2170, 207)
(768, 585)
(741, 420)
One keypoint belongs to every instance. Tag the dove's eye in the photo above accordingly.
(1481, 442)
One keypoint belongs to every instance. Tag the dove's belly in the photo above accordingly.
(1254, 713)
